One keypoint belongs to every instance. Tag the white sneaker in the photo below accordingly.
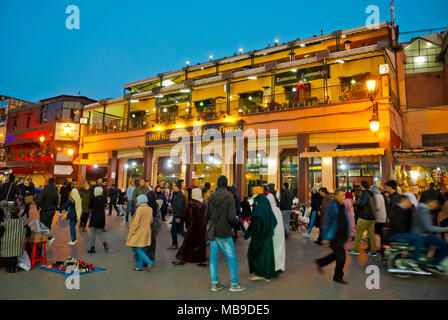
(72, 243)
(51, 241)
(306, 235)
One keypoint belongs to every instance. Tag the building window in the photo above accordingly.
(435, 140)
(423, 56)
(28, 122)
(14, 125)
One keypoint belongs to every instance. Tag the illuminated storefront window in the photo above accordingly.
(352, 170)
(168, 171)
(208, 171)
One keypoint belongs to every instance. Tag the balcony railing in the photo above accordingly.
(240, 104)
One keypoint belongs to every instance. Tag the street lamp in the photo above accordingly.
(374, 122)
(42, 139)
(70, 152)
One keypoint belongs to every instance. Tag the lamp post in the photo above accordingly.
(374, 122)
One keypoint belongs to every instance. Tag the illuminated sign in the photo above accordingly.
(204, 132)
(67, 131)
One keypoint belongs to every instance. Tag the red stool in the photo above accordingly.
(34, 258)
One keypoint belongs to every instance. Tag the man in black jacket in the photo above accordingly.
(366, 221)
(221, 212)
(113, 197)
(286, 206)
(179, 205)
(48, 202)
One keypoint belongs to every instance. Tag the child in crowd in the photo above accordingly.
(13, 232)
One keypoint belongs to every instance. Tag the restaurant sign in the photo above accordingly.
(422, 154)
(301, 74)
(171, 99)
(201, 132)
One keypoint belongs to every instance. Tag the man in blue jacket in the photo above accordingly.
(335, 232)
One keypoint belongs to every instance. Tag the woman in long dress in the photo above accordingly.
(349, 202)
(261, 231)
(279, 236)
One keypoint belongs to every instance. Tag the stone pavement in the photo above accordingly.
(166, 281)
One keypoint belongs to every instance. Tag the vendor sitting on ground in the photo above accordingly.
(13, 232)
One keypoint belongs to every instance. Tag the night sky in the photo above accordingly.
(124, 41)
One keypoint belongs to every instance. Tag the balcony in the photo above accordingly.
(287, 97)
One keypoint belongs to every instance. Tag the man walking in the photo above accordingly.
(113, 197)
(286, 206)
(48, 202)
(220, 212)
(335, 231)
(179, 205)
(366, 221)
(130, 202)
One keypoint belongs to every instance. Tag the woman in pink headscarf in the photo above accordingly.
(348, 202)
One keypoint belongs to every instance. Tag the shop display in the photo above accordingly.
(69, 265)
(417, 179)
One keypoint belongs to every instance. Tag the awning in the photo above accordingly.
(344, 153)
(94, 158)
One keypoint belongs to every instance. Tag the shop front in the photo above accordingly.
(415, 169)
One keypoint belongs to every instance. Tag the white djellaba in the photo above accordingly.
(279, 237)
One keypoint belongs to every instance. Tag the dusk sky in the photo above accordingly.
(124, 41)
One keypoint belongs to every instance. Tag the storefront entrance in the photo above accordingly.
(167, 170)
(350, 171)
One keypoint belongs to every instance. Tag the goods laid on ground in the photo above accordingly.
(70, 265)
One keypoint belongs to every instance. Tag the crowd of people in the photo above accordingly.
(216, 218)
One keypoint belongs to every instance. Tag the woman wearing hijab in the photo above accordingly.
(348, 203)
(279, 236)
(261, 230)
(139, 236)
(74, 207)
(193, 249)
(316, 201)
(156, 225)
(380, 213)
(97, 219)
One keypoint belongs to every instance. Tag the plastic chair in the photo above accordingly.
(34, 258)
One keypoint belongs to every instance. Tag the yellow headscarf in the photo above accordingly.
(257, 190)
(78, 202)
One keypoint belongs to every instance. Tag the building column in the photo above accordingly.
(303, 175)
(81, 174)
(148, 154)
(328, 170)
(112, 169)
(240, 173)
(386, 161)
(189, 166)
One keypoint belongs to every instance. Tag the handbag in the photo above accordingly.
(211, 231)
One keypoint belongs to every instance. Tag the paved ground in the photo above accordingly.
(166, 281)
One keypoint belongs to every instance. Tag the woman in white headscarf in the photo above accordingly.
(74, 207)
(412, 198)
(279, 236)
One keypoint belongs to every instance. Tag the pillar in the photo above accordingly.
(303, 175)
(148, 154)
(386, 161)
(112, 169)
(189, 166)
(328, 170)
(240, 174)
(81, 174)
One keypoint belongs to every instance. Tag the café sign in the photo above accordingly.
(208, 131)
(422, 154)
(300, 75)
(171, 99)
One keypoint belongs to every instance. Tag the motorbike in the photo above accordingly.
(398, 260)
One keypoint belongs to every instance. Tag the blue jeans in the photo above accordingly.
(411, 238)
(436, 242)
(175, 229)
(73, 229)
(226, 245)
(129, 209)
(142, 257)
(312, 219)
